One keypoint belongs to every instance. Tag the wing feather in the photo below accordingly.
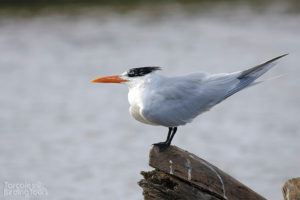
(180, 99)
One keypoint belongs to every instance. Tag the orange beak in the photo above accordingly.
(109, 79)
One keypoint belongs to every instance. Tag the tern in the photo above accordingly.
(175, 101)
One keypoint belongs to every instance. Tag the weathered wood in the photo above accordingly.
(190, 173)
(161, 186)
(291, 189)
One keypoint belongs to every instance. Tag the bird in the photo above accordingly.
(175, 101)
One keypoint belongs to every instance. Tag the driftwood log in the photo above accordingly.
(182, 175)
(291, 189)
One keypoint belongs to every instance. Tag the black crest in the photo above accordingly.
(141, 71)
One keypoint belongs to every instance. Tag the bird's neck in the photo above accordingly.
(140, 91)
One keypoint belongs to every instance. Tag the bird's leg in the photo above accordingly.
(169, 134)
(171, 138)
(164, 145)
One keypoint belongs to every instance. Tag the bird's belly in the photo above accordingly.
(135, 111)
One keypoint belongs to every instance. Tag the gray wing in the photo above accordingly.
(180, 99)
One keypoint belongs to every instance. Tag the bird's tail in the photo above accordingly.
(262, 81)
(259, 70)
(246, 78)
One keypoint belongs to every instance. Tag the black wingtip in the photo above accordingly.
(259, 67)
(278, 57)
(281, 56)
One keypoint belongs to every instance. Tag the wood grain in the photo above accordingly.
(291, 189)
(195, 174)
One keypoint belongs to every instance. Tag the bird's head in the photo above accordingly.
(128, 77)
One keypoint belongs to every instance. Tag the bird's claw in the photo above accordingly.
(162, 146)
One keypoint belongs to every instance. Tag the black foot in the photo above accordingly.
(162, 146)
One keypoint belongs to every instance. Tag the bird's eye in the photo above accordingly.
(130, 73)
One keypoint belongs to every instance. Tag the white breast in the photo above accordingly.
(137, 99)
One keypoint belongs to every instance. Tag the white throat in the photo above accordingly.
(139, 95)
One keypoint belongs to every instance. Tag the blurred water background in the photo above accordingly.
(78, 139)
